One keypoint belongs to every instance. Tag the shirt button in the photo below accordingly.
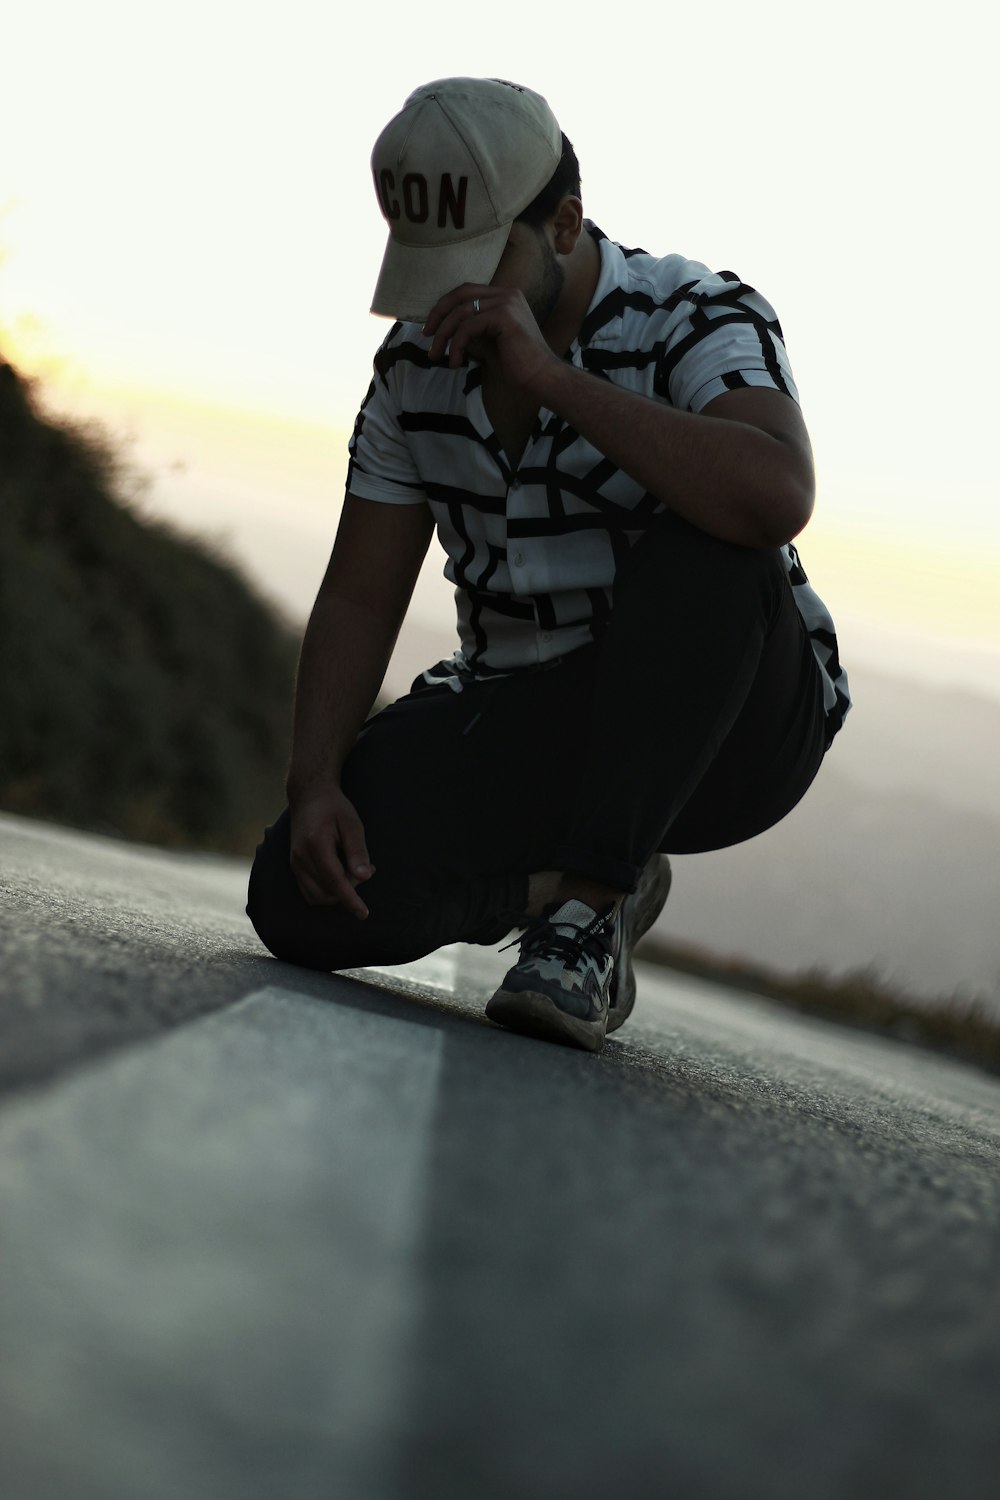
(519, 559)
(546, 635)
(515, 484)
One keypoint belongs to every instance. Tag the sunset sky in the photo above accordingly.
(190, 239)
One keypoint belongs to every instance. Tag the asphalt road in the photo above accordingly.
(265, 1233)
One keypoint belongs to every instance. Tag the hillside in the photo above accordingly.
(145, 689)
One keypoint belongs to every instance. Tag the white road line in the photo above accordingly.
(206, 1259)
(437, 971)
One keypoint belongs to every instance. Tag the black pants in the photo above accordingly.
(695, 722)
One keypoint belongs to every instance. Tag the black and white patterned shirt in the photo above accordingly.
(532, 552)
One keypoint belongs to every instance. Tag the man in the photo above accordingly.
(611, 450)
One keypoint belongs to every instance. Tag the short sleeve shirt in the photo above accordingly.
(533, 550)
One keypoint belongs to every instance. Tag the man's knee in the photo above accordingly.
(328, 937)
(275, 906)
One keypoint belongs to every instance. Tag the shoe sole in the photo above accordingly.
(642, 919)
(534, 1014)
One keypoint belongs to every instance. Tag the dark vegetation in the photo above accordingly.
(145, 690)
(966, 1028)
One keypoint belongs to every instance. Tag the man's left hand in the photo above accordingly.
(494, 324)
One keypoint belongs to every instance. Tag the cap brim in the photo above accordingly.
(413, 279)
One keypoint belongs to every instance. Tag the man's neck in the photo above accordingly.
(582, 268)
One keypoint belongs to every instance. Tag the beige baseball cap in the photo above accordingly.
(452, 171)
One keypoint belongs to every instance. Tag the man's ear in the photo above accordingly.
(568, 224)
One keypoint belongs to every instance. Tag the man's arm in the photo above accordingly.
(351, 632)
(741, 469)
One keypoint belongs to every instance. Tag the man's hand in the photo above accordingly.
(502, 332)
(329, 856)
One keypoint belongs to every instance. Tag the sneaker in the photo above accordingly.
(559, 988)
(639, 912)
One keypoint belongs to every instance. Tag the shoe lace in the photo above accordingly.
(542, 940)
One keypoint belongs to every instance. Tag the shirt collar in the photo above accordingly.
(612, 281)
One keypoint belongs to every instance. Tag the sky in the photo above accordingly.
(189, 240)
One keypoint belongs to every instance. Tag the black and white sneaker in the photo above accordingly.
(559, 989)
(638, 913)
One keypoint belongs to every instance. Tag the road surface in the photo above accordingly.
(272, 1235)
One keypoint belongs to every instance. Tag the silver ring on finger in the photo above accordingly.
(475, 307)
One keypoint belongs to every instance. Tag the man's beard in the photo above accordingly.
(545, 296)
(541, 299)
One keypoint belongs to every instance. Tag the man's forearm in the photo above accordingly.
(344, 656)
(727, 477)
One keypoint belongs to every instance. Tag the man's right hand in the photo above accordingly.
(329, 856)
(347, 645)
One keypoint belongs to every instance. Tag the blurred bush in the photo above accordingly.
(145, 690)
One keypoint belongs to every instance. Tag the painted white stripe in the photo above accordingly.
(207, 1253)
(437, 971)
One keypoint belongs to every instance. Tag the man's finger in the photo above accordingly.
(354, 850)
(338, 891)
(449, 328)
(462, 331)
(328, 885)
(452, 312)
(464, 294)
(312, 889)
